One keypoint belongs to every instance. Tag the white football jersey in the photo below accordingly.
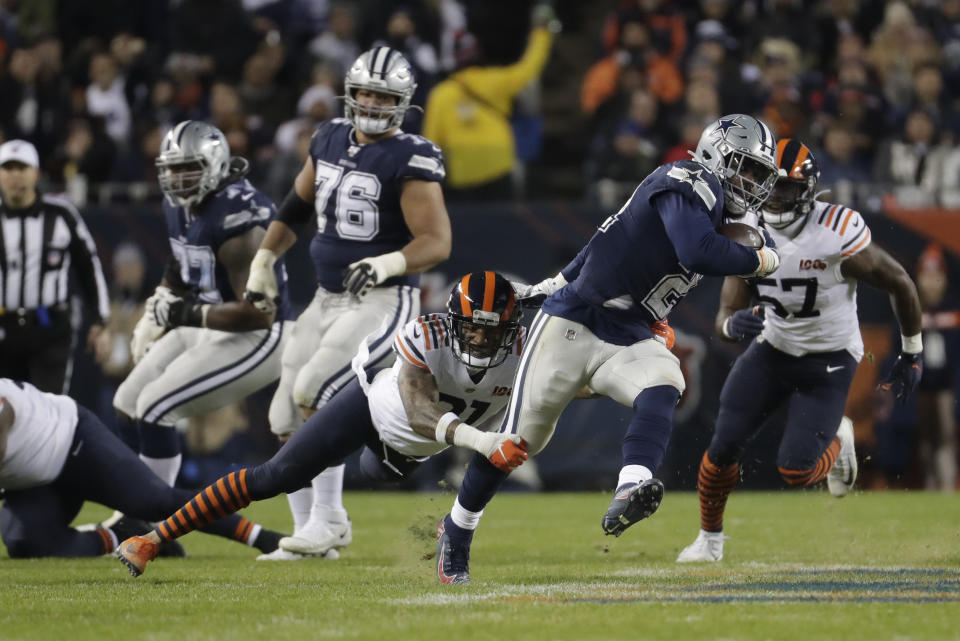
(810, 306)
(425, 343)
(40, 437)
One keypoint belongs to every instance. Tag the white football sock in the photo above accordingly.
(165, 468)
(462, 517)
(630, 474)
(300, 502)
(328, 495)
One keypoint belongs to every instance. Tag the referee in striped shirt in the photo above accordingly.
(42, 239)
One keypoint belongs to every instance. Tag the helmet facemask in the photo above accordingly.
(381, 70)
(483, 341)
(794, 193)
(484, 319)
(194, 159)
(748, 182)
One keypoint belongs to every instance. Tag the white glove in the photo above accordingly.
(261, 287)
(147, 329)
(769, 261)
(534, 295)
(364, 275)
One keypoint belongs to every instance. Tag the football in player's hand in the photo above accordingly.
(742, 233)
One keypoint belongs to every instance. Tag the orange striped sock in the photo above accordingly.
(227, 495)
(714, 485)
(107, 540)
(819, 471)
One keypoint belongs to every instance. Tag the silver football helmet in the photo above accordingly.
(383, 70)
(194, 159)
(740, 151)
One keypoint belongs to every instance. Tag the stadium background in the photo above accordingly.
(817, 70)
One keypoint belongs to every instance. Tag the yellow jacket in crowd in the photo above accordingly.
(468, 115)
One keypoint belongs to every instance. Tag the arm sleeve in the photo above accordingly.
(698, 245)
(572, 270)
(515, 77)
(86, 262)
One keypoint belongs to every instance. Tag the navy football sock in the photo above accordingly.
(645, 442)
(158, 441)
(480, 483)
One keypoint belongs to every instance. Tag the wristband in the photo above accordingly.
(912, 344)
(441, 432)
(725, 328)
(393, 264)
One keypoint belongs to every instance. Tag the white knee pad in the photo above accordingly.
(641, 366)
(284, 414)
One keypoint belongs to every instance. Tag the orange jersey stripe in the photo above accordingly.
(858, 246)
(833, 210)
(464, 301)
(410, 357)
(426, 333)
(488, 287)
(846, 220)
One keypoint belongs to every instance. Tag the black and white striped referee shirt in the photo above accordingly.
(38, 246)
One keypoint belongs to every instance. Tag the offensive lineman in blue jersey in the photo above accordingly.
(375, 195)
(595, 326)
(199, 345)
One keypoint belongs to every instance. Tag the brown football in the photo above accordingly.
(742, 233)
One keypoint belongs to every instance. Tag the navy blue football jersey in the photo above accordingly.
(647, 256)
(357, 197)
(196, 240)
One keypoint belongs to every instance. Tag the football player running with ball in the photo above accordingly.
(597, 326)
(807, 345)
(453, 371)
(374, 193)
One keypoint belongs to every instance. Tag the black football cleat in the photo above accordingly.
(453, 555)
(630, 504)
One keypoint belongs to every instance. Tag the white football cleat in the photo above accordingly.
(843, 474)
(282, 555)
(318, 537)
(707, 547)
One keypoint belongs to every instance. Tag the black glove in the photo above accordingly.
(744, 324)
(172, 311)
(360, 278)
(904, 376)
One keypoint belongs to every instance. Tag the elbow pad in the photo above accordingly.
(294, 211)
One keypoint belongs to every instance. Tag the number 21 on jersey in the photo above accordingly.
(355, 196)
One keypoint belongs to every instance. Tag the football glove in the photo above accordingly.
(535, 295)
(169, 310)
(744, 324)
(505, 451)
(769, 261)
(364, 275)
(261, 287)
(663, 333)
(904, 376)
(147, 330)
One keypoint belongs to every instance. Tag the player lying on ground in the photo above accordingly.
(453, 371)
(597, 327)
(54, 455)
(807, 348)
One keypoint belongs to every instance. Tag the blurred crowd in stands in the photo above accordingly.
(871, 85)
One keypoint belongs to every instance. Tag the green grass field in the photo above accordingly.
(798, 565)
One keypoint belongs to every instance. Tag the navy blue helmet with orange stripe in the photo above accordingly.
(792, 196)
(484, 319)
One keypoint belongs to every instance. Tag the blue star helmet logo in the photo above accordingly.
(726, 124)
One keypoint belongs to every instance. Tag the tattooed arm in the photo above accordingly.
(421, 401)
